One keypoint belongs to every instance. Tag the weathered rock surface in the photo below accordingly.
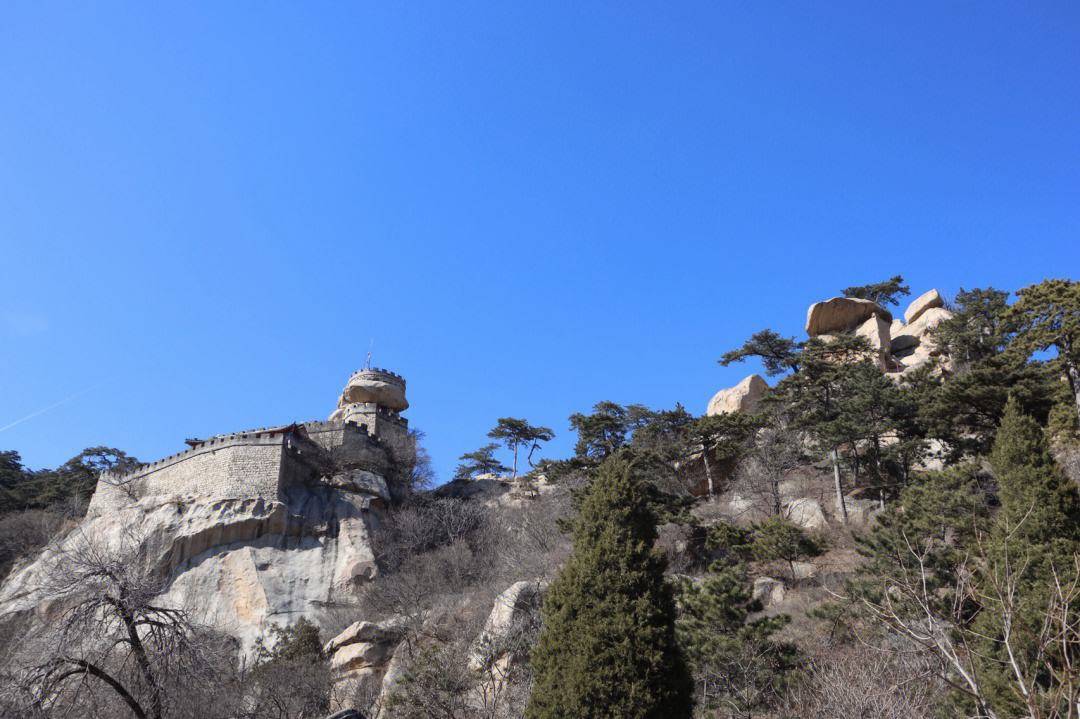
(806, 513)
(875, 331)
(922, 303)
(513, 609)
(841, 314)
(916, 332)
(238, 565)
(743, 397)
(769, 591)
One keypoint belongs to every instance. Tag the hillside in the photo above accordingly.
(887, 523)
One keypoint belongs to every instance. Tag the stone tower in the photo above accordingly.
(374, 399)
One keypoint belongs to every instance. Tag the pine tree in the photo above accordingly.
(1034, 545)
(737, 662)
(608, 649)
(1038, 503)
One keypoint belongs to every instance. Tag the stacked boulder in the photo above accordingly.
(913, 345)
(363, 654)
(899, 346)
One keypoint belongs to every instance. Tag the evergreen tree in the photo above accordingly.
(778, 539)
(1048, 315)
(608, 649)
(978, 328)
(778, 354)
(883, 293)
(607, 429)
(516, 433)
(738, 666)
(1034, 547)
(482, 461)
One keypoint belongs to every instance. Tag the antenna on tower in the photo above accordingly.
(371, 348)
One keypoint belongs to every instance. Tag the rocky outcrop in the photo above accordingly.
(914, 345)
(899, 346)
(769, 591)
(805, 513)
(246, 530)
(841, 314)
(927, 300)
(513, 616)
(239, 565)
(743, 397)
(876, 331)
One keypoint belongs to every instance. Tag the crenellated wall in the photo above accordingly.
(239, 466)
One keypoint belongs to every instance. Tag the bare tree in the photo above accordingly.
(776, 452)
(862, 681)
(110, 635)
(1042, 672)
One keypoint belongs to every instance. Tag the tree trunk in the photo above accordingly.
(835, 456)
(708, 470)
(515, 461)
(1072, 372)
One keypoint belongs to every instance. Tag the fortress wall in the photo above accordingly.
(349, 444)
(235, 467)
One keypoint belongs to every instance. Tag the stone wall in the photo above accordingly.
(240, 466)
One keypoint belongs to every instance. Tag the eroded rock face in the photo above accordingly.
(513, 609)
(876, 331)
(922, 303)
(841, 314)
(743, 397)
(238, 565)
(805, 513)
(769, 591)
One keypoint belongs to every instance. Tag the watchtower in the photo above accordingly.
(375, 398)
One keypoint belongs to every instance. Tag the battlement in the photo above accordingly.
(262, 436)
(368, 434)
(385, 373)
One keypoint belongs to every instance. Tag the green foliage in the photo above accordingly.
(938, 517)
(738, 665)
(777, 539)
(516, 433)
(608, 646)
(979, 327)
(1034, 545)
(966, 408)
(1039, 505)
(21, 488)
(1047, 315)
(845, 404)
(296, 642)
(883, 293)
(482, 461)
(607, 429)
(778, 354)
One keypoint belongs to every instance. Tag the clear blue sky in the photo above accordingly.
(209, 210)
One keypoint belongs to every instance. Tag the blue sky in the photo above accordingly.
(208, 211)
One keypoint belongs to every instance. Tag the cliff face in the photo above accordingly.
(266, 531)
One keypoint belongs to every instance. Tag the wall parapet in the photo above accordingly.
(236, 439)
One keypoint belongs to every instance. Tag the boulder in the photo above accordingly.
(841, 314)
(922, 303)
(769, 591)
(806, 513)
(512, 609)
(360, 655)
(915, 333)
(876, 331)
(743, 397)
(365, 632)
(804, 570)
